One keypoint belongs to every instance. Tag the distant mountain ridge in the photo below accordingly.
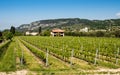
(69, 24)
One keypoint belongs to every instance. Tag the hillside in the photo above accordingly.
(70, 24)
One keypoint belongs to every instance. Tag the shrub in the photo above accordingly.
(117, 33)
(100, 34)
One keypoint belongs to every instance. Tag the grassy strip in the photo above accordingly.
(8, 62)
(107, 64)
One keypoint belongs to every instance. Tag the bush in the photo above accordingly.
(7, 35)
(46, 33)
(100, 34)
(117, 33)
(91, 34)
(107, 34)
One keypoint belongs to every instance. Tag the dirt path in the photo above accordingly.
(22, 72)
(94, 72)
(3, 42)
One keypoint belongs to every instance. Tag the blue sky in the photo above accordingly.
(17, 12)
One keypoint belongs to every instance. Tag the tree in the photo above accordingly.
(7, 35)
(40, 30)
(1, 39)
(12, 30)
(117, 33)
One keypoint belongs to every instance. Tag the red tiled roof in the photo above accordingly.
(57, 30)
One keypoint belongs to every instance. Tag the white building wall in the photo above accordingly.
(33, 33)
(84, 29)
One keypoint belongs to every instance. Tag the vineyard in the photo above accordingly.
(68, 54)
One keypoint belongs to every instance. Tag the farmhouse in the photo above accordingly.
(57, 32)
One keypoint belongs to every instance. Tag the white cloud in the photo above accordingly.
(118, 14)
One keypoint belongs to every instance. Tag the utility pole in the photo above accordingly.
(96, 57)
(117, 56)
(72, 53)
(47, 57)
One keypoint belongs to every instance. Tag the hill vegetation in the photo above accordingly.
(71, 24)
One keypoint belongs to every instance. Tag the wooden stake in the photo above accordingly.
(96, 56)
(47, 56)
(117, 56)
(72, 53)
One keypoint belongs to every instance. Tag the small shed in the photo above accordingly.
(57, 32)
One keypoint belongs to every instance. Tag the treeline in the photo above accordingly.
(95, 34)
(115, 33)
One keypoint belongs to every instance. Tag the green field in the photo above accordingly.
(59, 54)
